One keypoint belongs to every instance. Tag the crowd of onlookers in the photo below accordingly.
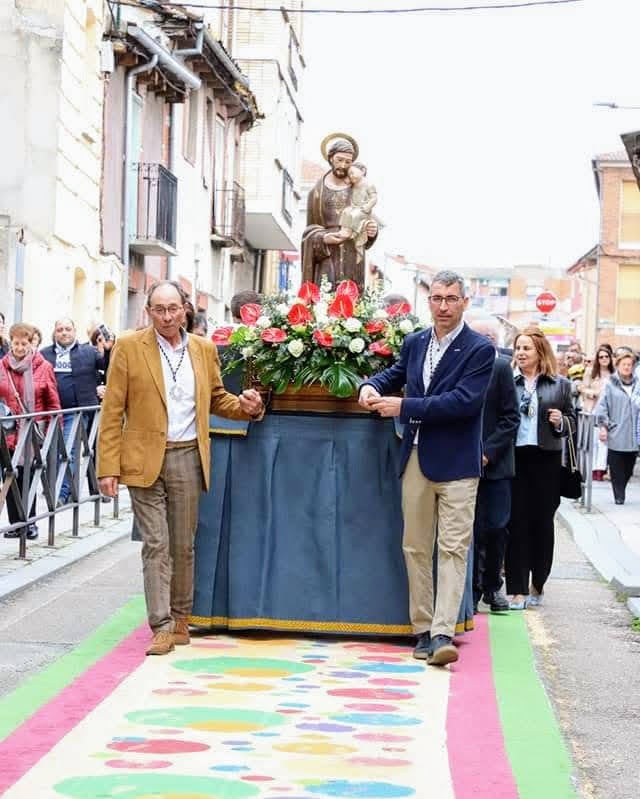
(607, 385)
(64, 375)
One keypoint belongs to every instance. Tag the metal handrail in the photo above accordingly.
(46, 463)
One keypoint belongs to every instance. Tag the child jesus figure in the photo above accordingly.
(355, 217)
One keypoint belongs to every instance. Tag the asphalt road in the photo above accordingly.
(586, 651)
(46, 620)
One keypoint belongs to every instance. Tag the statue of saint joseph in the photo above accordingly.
(326, 202)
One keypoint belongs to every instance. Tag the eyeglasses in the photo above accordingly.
(450, 299)
(161, 310)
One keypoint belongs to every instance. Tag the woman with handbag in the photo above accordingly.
(27, 385)
(592, 386)
(617, 419)
(547, 415)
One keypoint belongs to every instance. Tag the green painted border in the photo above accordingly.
(536, 749)
(39, 689)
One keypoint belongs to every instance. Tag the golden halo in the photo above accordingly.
(332, 136)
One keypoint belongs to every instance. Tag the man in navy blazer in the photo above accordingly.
(445, 371)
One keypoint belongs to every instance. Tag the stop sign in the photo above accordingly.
(545, 302)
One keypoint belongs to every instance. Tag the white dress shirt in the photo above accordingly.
(181, 410)
(435, 351)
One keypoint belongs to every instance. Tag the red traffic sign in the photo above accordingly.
(546, 302)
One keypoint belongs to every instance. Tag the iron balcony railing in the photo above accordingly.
(157, 207)
(46, 463)
(229, 213)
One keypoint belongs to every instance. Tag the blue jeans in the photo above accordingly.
(67, 421)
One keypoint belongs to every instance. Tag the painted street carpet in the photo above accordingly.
(235, 717)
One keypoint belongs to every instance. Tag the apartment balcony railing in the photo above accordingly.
(229, 215)
(155, 206)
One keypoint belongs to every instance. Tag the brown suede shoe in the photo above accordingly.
(161, 644)
(181, 632)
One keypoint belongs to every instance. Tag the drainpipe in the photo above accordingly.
(165, 58)
(191, 51)
(126, 198)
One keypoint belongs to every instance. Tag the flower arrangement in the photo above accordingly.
(334, 338)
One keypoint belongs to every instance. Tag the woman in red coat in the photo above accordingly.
(27, 385)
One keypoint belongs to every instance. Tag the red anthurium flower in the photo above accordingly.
(380, 348)
(347, 288)
(375, 326)
(299, 314)
(274, 335)
(221, 335)
(309, 292)
(250, 312)
(323, 339)
(399, 308)
(341, 306)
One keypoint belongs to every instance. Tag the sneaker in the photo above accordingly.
(442, 651)
(423, 646)
(161, 644)
(181, 632)
(32, 532)
(535, 600)
(12, 534)
(497, 601)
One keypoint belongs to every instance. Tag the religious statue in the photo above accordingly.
(340, 226)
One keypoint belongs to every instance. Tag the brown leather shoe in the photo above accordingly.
(161, 644)
(181, 632)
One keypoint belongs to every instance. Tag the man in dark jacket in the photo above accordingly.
(445, 372)
(500, 421)
(77, 373)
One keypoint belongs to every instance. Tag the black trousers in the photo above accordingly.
(535, 497)
(13, 510)
(493, 508)
(621, 465)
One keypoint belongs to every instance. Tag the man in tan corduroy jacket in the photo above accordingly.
(154, 438)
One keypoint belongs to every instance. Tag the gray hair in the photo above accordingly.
(487, 326)
(448, 278)
(160, 284)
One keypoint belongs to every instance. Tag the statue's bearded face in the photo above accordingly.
(340, 164)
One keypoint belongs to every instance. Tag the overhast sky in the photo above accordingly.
(478, 128)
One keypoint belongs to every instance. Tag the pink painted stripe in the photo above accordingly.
(21, 750)
(477, 757)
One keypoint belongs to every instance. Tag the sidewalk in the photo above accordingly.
(610, 537)
(42, 560)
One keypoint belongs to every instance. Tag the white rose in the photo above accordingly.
(264, 322)
(406, 326)
(356, 345)
(296, 347)
(352, 324)
(379, 314)
(321, 309)
(282, 308)
(247, 352)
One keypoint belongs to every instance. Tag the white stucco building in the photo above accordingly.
(51, 138)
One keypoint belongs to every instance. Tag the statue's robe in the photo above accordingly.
(335, 261)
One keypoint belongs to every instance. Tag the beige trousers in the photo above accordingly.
(167, 516)
(448, 508)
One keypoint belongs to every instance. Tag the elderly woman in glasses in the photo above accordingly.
(617, 419)
(546, 415)
(27, 385)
